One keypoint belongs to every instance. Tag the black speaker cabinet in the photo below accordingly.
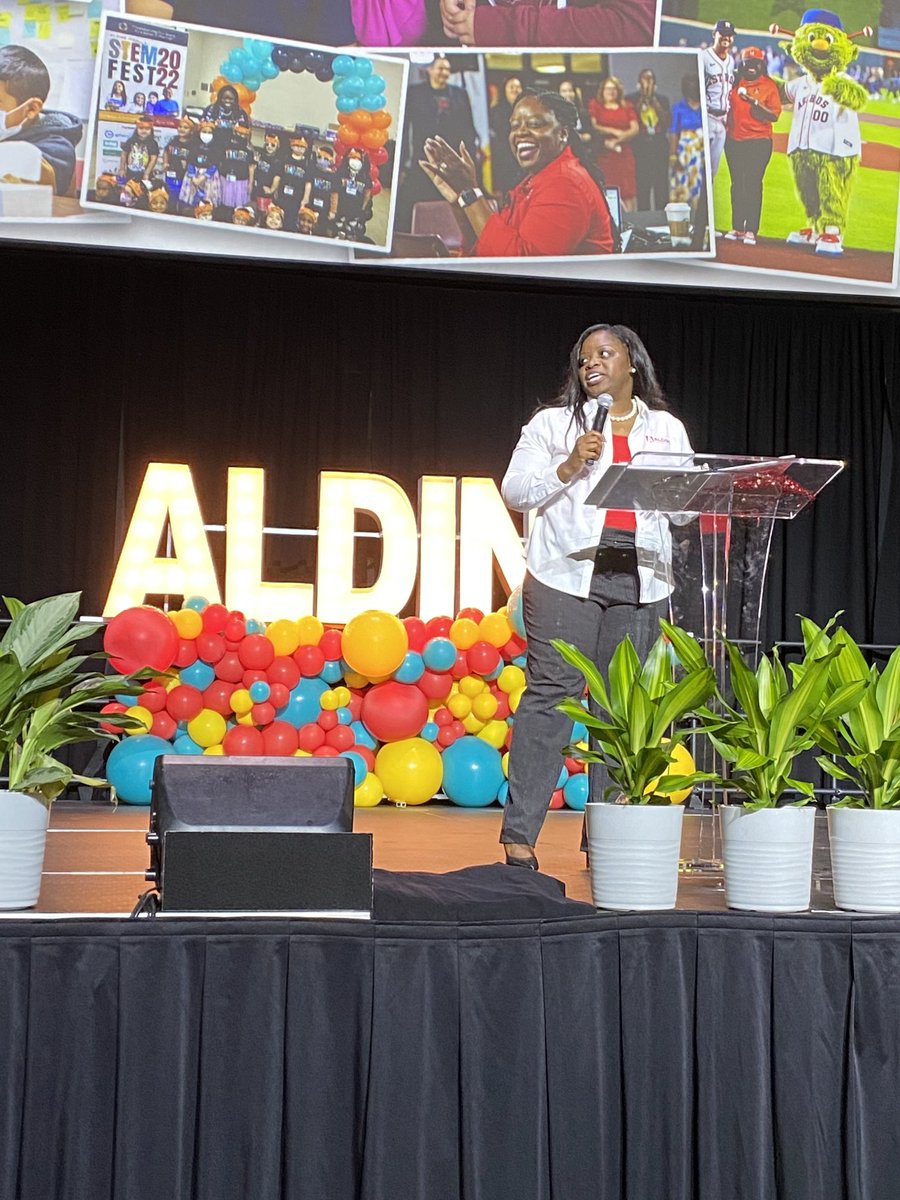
(257, 835)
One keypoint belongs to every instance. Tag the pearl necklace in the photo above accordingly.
(632, 412)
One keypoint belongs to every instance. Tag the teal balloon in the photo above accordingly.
(268, 70)
(503, 794)
(373, 103)
(303, 706)
(343, 64)
(199, 675)
(259, 48)
(362, 736)
(232, 72)
(346, 104)
(514, 611)
(411, 669)
(259, 691)
(430, 730)
(332, 672)
(197, 603)
(360, 766)
(439, 654)
(579, 732)
(350, 85)
(344, 716)
(252, 625)
(472, 772)
(577, 791)
(252, 82)
(362, 67)
(186, 745)
(129, 768)
(375, 85)
(561, 777)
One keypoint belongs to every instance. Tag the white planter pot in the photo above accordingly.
(634, 851)
(768, 857)
(23, 833)
(865, 858)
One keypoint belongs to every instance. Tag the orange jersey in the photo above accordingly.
(742, 124)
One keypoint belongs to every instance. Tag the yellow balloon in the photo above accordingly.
(464, 633)
(459, 705)
(309, 631)
(303, 754)
(284, 636)
(207, 728)
(410, 771)
(241, 701)
(188, 622)
(369, 793)
(514, 699)
(511, 679)
(329, 701)
(495, 628)
(220, 749)
(342, 694)
(504, 763)
(484, 706)
(246, 719)
(137, 712)
(472, 724)
(682, 764)
(374, 643)
(472, 686)
(494, 733)
(355, 680)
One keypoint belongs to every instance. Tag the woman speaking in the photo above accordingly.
(593, 574)
(557, 209)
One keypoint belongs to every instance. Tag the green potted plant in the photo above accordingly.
(635, 839)
(49, 698)
(861, 745)
(767, 844)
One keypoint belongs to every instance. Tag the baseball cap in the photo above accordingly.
(724, 27)
(821, 16)
(753, 52)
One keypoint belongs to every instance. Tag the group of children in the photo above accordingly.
(210, 170)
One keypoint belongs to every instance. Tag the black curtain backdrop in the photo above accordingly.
(110, 361)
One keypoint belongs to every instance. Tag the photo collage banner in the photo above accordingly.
(687, 141)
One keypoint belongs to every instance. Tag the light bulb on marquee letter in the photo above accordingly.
(167, 492)
(437, 553)
(244, 586)
(486, 532)
(341, 495)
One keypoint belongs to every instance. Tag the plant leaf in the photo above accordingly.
(38, 625)
(595, 682)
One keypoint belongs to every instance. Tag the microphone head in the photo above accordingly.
(605, 400)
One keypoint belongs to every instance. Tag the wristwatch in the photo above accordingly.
(469, 196)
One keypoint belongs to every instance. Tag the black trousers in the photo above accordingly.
(747, 162)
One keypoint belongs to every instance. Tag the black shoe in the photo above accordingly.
(530, 862)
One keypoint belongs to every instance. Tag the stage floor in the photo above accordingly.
(96, 854)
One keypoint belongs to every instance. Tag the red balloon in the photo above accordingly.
(470, 614)
(184, 702)
(392, 711)
(243, 739)
(461, 667)
(251, 677)
(256, 652)
(573, 766)
(326, 752)
(367, 755)
(163, 726)
(436, 685)
(141, 637)
(210, 647)
(310, 660)
(280, 738)
(514, 647)
(483, 658)
(458, 728)
(378, 157)
(284, 670)
(229, 667)
(502, 705)
(330, 644)
(279, 695)
(557, 800)
(327, 719)
(214, 617)
(441, 716)
(341, 737)
(438, 627)
(263, 713)
(187, 652)
(153, 698)
(234, 629)
(446, 736)
(115, 707)
(376, 188)
(416, 633)
(310, 737)
(355, 705)
(218, 696)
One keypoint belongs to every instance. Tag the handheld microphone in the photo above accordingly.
(604, 404)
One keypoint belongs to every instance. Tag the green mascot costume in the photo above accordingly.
(824, 143)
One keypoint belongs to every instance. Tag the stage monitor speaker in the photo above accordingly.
(257, 835)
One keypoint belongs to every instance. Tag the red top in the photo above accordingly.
(580, 23)
(560, 210)
(618, 166)
(742, 125)
(620, 518)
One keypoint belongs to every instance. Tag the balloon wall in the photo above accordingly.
(419, 707)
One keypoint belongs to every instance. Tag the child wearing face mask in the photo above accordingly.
(139, 152)
(267, 172)
(321, 185)
(177, 155)
(201, 178)
(295, 171)
(24, 87)
(237, 165)
(352, 196)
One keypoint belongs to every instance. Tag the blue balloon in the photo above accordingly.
(514, 611)
(199, 675)
(252, 82)
(197, 603)
(577, 791)
(373, 103)
(344, 65)
(303, 706)
(350, 85)
(360, 766)
(186, 745)
(362, 737)
(251, 625)
(346, 104)
(129, 767)
(472, 772)
(503, 794)
(128, 701)
(375, 85)
(268, 69)
(232, 72)
(363, 67)
(520, 660)
(439, 654)
(411, 669)
(259, 48)
(430, 730)
(332, 672)
(344, 716)
(259, 691)
(562, 777)
(579, 732)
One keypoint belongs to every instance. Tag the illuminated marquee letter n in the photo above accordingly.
(341, 495)
(486, 533)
